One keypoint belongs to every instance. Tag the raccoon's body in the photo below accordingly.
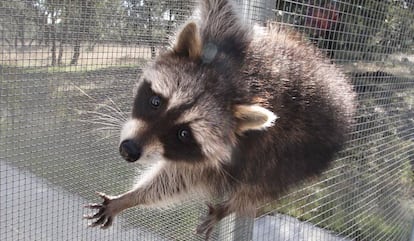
(234, 112)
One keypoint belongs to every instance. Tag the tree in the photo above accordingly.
(150, 22)
(82, 23)
(70, 22)
(20, 20)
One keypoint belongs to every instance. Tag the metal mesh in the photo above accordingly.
(66, 70)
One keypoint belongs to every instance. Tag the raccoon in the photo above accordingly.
(234, 112)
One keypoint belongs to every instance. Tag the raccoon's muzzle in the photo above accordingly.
(130, 151)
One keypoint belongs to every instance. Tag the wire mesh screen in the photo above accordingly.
(67, 68)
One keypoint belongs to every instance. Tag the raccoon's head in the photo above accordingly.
(185, 107)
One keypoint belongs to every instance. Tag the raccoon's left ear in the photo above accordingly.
(188, 43)
(253, 117)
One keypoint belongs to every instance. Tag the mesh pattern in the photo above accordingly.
(66, 71)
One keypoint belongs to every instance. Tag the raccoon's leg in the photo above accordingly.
(240, 202)
(162, 184)
(215, 214)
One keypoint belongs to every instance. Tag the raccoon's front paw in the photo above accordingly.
(107, 210)
(209, 221)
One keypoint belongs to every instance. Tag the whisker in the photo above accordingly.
(101, 123)
(100, 118)
(101, 130)
(120, 112)
(108, 116)
(82, 91)
(112, 109)
(116, 109)
(101, 139)
(105, 129)
(103, 116)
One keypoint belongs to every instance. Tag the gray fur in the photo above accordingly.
(246, 153)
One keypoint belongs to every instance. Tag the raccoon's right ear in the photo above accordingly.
(188, 43)
(253, 117)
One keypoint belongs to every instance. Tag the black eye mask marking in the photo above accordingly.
(178, 140)
(148, 104)
(180, 145)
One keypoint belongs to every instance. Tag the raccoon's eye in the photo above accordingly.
(155, 101)
(184, 135)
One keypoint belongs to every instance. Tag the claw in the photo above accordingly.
(205, 228)
(108, 223)
(93, 206)
(89, 216)
(215, 214)
(208, 233)
(92, 225)
(100, 221)
(103, 217)
(96, 215)
(210, 208)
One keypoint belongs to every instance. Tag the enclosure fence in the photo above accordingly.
(67, 68)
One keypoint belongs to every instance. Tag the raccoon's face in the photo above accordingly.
(176, 117)
(182, 110)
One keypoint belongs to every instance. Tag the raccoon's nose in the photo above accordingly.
(130, 151)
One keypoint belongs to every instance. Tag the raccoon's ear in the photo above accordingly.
(222, 27)
(253, 117)
(188, 43)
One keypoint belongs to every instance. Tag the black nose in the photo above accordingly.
(130, 151)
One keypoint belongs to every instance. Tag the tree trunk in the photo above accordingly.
(85, 23)
(53, 39)
(53, 50)
(4, 39)
(21, 31)
(60, 56)
(76, 52)
(63, 35)
(31, 42)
